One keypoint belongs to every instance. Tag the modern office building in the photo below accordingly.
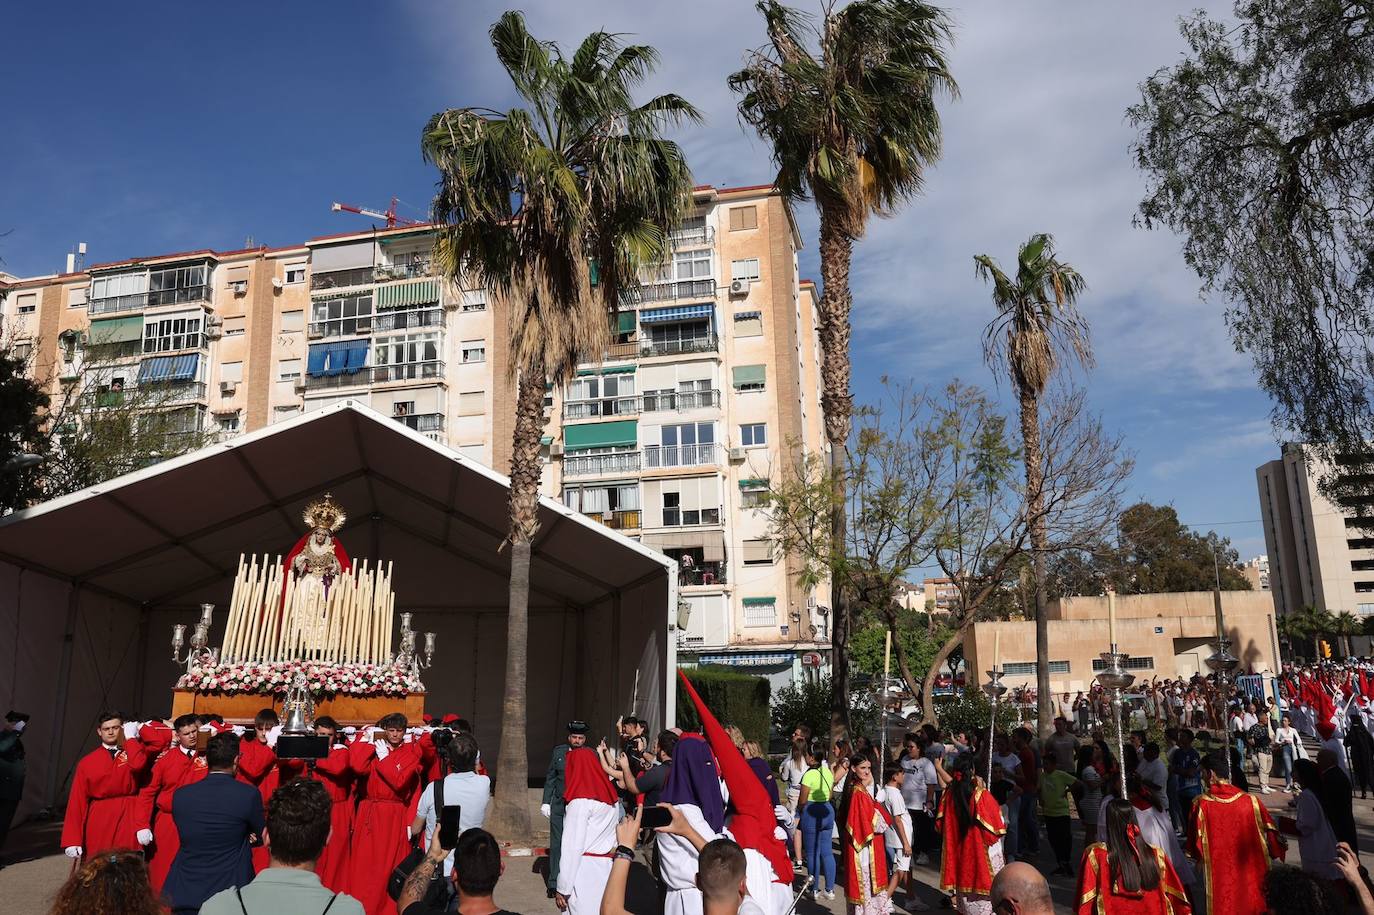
(1319, 555)
(710, 389)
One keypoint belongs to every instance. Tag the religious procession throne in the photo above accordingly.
(317, 620)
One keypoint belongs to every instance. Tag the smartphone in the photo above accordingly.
(448, 825)
(655, 817)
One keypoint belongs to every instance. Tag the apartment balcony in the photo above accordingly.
(407, 371)
(341, 380)
(408, 271)
(680, 400)
(620, 520)
(181, 343)
(709, 343)
(591, 465)
(150, 395)
(673, 292)
(407, 320)
(602, 406)
(430, 424)
(682, 455)
(342, 279)
(692, 237)
(707, 574)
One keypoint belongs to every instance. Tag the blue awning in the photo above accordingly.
(676, 313)
(345, 357)
(169, 368)
(749, 659)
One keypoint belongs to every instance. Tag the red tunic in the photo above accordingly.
(1098, 894)
(100, 807)
(862, 834)
(335, 773)
(172, 770)
(965, 866)
(1234, 837)
(258, 767)
(380, 827)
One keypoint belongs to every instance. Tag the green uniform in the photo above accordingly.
(553, 796)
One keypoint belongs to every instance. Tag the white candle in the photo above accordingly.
(1111, 618)
(996, 648)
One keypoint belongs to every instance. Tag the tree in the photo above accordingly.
(1344, 625)
(22, 405)
(527, 199)
(1037, 326)
(1153, 554)
(1258, 149)
(911, 635)
(847, 106)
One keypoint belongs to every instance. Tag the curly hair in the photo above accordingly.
(113, 882)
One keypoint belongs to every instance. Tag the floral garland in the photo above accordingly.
(321, 677)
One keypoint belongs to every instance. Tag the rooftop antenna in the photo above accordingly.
(77, 260)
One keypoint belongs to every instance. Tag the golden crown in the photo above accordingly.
(325, 514)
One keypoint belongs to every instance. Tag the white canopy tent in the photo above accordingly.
(91, 584)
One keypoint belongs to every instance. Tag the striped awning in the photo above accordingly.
(608, 370)
(116, 330)
(746, 315)
(749, 659)
(169, 368)
(402, 295)
(676, 313)
(345, 357)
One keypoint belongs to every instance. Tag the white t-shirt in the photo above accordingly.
(792, 773)
(892, 799)
(467, 790)
(1009, 763)
(920, 775)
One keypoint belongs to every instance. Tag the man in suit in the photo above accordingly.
(217, 818)
(553, 806)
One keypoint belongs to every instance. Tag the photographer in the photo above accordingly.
(477, 868)
(12, 769)
(463, 788)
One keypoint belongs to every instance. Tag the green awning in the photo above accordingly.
(403, 295)
(625, 321)
(601, 435)
(752, 484)
(546, 439)
(609, 370)
(759, 601)
(116, 330)
(749, 374)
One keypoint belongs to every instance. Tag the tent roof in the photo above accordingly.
(170, 536)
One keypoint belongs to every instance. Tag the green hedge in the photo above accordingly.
(733, 697)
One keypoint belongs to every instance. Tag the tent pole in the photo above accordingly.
(64, 679)
(617, 658)
(670, 657)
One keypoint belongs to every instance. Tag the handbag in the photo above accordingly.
(436, 894)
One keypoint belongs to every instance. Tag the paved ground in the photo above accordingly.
(33, 873)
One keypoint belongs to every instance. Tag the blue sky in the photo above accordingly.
(154, 127)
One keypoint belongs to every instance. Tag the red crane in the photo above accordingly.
(392, 220)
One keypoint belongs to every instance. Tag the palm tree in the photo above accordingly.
(848, 106)
(1345, 625)
(1037, 327)
(527, 200)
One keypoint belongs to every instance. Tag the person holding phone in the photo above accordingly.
(464, 790)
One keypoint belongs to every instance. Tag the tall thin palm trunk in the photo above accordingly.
(510, 814)
(1035, 507)
(836, 250)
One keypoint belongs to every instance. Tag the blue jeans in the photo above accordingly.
(1029, 839)
(818, 836)
(1010, 840)
(1285, 764)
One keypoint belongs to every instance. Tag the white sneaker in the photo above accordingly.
(1266, 790)
(829, 894)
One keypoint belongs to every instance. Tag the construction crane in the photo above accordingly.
(392, 220)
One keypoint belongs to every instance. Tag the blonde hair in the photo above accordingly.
(752, 750)
(736, 736)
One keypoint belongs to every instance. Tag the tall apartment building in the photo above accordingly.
(1318, 555)
(710, 388)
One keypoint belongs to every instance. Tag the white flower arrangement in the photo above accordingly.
(321, 678)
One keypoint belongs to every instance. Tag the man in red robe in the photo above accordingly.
(394, 776)
(1232, 835)
(179, 765)
(258, 766)
(100, 807)
(335, 773)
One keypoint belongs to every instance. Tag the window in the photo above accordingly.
(178, 284)
(229, 423)
(474, 301)
(472, 403)
(474, 350)
(748, 324)
(758, 552)
(1141, 663)
(77, 297)
(750, 377)
(1019, 668)
(22, 351)
(292, 321)
(603, 497)
(231, 372)
(592, 387)
(686, 265)
(403, 408)
(689, 503)
(408, 356)
(744, 218)
(338, 317)
(753, 435)
(745, 269)
(760, 611)
(288, 369)
(27, 304)
(233, 327)
(295, 273)
(753, 493)
(120, 291)
(174, 332)
(1364, 609)
(1059, 667)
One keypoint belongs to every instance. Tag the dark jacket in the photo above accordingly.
(1338, 805)
(214, 818)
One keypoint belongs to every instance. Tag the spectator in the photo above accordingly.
(1337, 799)
(1186, 765)
(1062, 745)
(1316, 841)
(720, 868)
(1019, 889)
(1055, 785)
(298, 818)
(918, 792)
(219, 819)
(1291, 891)
(818, 824)
(1349, 864)
(1290, 750)
(477, 867)
(1089, 799)
(110, 883)
(463, 788)
(12, 769)
(1028, 777)
(1359, 747)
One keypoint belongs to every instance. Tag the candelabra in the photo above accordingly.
(1115, 679)
(200, 640)
(1223, 663)
(408, 657)
(995, 689)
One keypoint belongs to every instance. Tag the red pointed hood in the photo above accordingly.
(583, 778)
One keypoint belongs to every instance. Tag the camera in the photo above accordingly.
(442, 737)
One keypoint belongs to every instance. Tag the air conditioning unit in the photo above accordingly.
(299, 387)
(314, 333)
(214, 327)
(277, 282)
(556, 449)
(608, 516)
(736, 454)
(240, 287)
(740, 287)
(227, 388)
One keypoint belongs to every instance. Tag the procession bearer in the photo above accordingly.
(554, 806)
